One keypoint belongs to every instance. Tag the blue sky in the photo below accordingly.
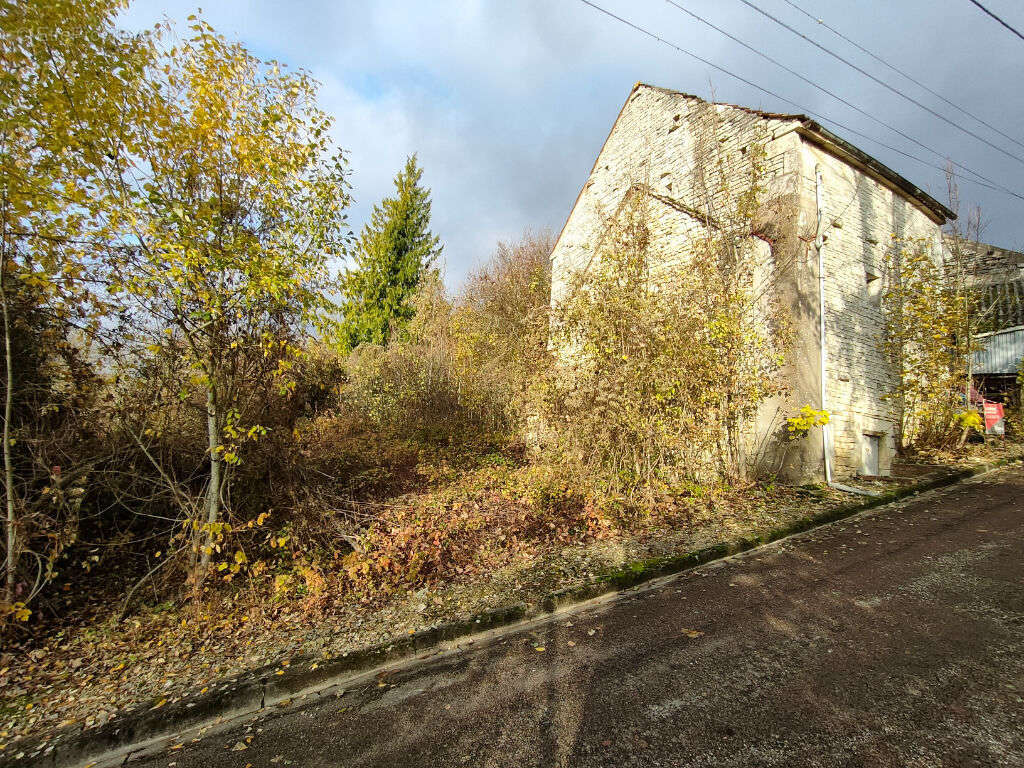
(508, 101)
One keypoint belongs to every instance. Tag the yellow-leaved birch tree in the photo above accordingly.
(236, 209)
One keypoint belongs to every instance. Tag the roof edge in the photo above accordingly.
(593, 167)
(750, 110)
(808, 128)
(936, 210)
(992, 246)
(987, 334)
(816, 132)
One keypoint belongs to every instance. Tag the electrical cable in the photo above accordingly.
(773, 94)
(986, 10)
(899, 71)
(824, 90)
(881, 82)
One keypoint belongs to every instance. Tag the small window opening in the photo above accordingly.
(874, 287)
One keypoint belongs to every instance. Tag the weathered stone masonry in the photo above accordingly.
(652, 146)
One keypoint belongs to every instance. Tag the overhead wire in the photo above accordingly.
(881, 82)
(900, 72)
(986, 10)
(802, 109)
(824, 90)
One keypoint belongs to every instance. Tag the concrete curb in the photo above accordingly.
(260, 689)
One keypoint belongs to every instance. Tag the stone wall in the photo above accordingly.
(653, 146)
(861, 214)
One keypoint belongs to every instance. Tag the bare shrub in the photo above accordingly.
(625, 402)
(502, 317)
(53, 447)
(461, 369)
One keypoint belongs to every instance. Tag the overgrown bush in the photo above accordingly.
(350, 431)
(502, 319)
(664, 362)
(420, 385)
(55, 446)
(626, 402)
(462, 368)
(928, 340)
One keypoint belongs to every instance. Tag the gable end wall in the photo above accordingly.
(651, 145)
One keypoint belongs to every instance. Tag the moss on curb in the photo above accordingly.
(259, 689)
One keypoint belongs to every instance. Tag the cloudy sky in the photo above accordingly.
(507, 102)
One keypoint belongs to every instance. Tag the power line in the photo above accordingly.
(802, 109)
(986, 10)
(823, 89)
(881, 82)
(899, 71)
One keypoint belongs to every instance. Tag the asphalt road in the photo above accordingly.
(895, 639)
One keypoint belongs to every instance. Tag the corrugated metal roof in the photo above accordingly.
(1002, 352)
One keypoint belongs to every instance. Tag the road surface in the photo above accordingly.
(895, 639)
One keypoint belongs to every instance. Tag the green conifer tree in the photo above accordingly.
(395, 250)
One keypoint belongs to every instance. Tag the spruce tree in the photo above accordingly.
(395, 250)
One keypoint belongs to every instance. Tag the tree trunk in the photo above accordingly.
(11, 560)
(213, 489)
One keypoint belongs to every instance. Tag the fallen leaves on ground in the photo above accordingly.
(84, 675)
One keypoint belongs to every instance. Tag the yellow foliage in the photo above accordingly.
(663, 365)
(16, 611)
(928, 340)
(807, 418)
(970, 419)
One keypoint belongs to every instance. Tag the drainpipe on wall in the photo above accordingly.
(819, 244)
(826, 429)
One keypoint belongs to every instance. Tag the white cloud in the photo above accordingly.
(507, 103)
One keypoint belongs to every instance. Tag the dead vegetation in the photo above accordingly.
(197, 484)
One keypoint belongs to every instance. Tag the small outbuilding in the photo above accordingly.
(997, 365)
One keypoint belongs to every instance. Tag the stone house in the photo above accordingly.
(843, 201)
